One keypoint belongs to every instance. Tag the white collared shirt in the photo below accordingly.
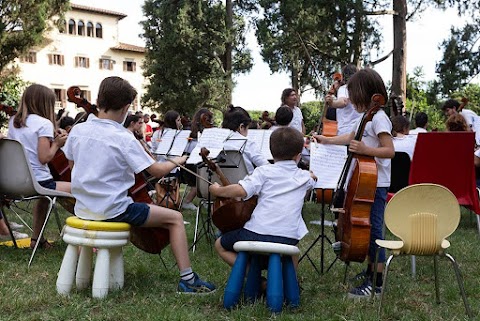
(35, 127)
(106, 156)
(281, 189)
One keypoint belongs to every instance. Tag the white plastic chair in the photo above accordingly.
(17, 181)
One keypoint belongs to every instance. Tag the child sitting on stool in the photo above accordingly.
(281, 189)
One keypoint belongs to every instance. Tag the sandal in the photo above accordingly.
(44, 244)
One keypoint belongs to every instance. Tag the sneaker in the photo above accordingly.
(15, 226)
(364, 291)
(189, 206)
(360, 276)
(16, 235)
(197, 287)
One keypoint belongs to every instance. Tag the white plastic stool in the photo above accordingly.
(82, 236)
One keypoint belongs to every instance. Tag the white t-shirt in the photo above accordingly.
(281, 189)
(106, 156)
(417, 131)
(379, 124)
(347, 116)
(405, 144)
(297, 119)
(35, 127)
(251, 153)
(473, 121)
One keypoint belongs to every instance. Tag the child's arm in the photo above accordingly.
(385, 150)
(46, 148)
(230, 191)
(335, 140)
(161, 169)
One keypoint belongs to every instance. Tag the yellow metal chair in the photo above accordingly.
(422, 216)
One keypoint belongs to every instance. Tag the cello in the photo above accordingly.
(353, 227)
(228, 214)
(59, 167)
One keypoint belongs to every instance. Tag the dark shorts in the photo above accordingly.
(136, 214)
(49, 183)
(228, 239)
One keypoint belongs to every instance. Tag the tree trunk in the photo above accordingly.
(399, 74)
(228, 47)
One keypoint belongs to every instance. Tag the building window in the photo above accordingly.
(60, 98)
(82, 62)
(81, 28)
(129, 66)
(87, 94)
(30, 57)
(56, 59)
(71, 27)
(106, 63)
(90, 29)
(98, 31)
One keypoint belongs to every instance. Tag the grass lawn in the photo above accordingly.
(150, 288)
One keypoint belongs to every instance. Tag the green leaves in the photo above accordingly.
(23, 23)
(186, 58)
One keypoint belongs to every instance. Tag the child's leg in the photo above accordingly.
(173, 221)
(228, 256)
(191, 194)
(64, 187)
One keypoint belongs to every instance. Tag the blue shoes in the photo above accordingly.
(197, 287)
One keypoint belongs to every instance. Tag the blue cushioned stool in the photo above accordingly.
(282, 278)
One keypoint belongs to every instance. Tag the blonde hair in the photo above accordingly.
(36, 99)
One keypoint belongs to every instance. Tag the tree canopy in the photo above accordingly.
(23, 23)
(185, 58)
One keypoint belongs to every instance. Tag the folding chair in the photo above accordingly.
(234, 168)
(422, 216)
(18, 183)
(400, 171)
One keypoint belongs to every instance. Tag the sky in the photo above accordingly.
(261, 90)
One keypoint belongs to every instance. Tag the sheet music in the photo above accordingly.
(172, 142)
(180, 143)
(326, 162)
(211, 138)
(261, 137)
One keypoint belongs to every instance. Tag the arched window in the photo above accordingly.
(81, 28)
(98, 30)
(71, 27)
(90, 29)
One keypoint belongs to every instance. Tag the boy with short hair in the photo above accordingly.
(104, 156)
(281, 189)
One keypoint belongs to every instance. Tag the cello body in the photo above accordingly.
(230, 214)
(353, 229)
(149, 239)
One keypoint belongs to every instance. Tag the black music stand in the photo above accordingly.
(321, 237)
(167, 199)
(206, 229)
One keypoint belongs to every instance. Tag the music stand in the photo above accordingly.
(320, 238)
(326, 162)
(233, 166)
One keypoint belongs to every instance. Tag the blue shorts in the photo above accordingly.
(49, 183)
(228, 239)
(136, 214)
